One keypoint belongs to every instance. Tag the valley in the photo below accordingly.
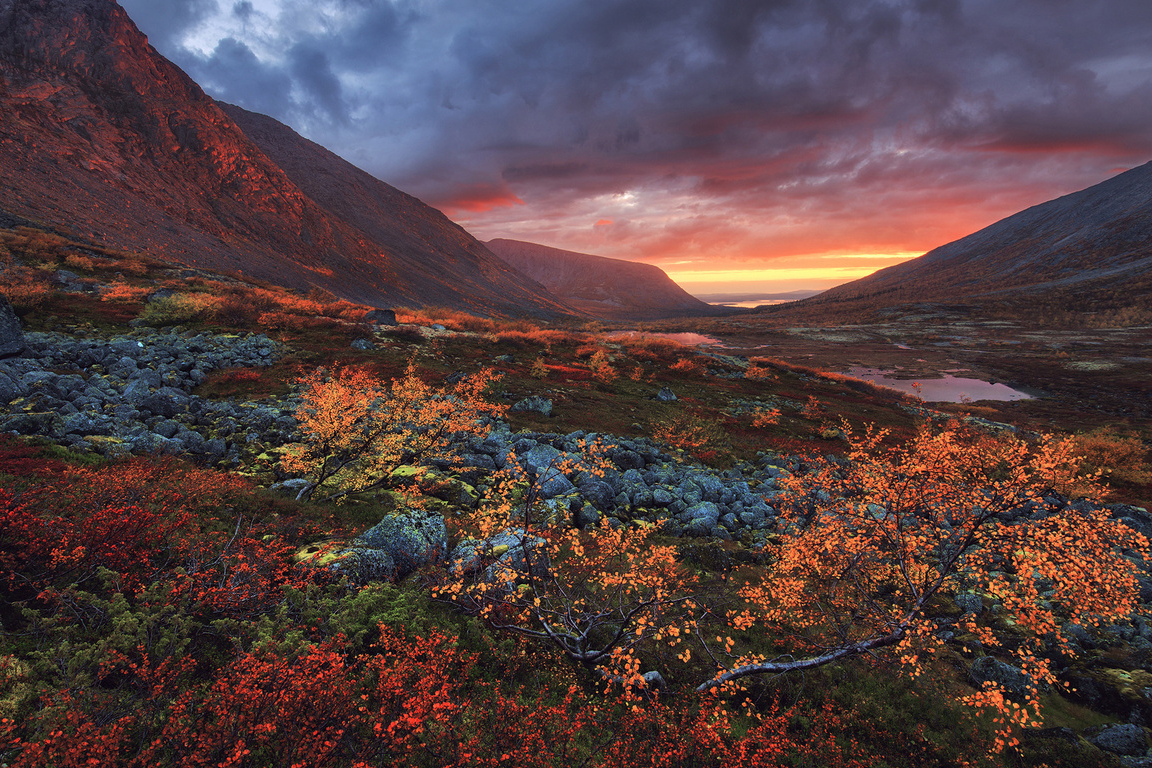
(295, 470)
(1080, 378)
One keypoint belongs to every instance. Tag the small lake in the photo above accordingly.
(950, 389)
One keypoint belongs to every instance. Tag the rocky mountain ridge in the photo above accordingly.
(105, 138)
(604, 287)
(1094, 245)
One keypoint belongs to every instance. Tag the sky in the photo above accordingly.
(741, 145)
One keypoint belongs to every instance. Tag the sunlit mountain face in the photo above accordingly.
(105, 139)
(795, 144)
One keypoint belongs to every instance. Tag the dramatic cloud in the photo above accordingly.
(732, 134)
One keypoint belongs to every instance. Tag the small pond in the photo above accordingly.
(950, 389)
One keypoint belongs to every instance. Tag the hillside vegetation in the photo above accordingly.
(244, 526)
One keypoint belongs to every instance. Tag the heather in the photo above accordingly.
(244, 526)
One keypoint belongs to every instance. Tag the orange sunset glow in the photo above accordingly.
(553, 383)
(729, 143)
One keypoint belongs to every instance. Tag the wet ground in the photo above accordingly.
(1079, 379)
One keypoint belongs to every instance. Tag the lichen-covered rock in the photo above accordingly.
(395, 547)
(554, 484)
(1123, 693)
(1125, 739)
(535, 404)
(969, 603)
(504, 552)
(540, 457)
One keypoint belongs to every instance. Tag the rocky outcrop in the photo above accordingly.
(395, 547)
(132, 393)
(11, 336)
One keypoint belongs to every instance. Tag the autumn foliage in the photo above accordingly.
(870, 548)
(357, 429)
(164, 621)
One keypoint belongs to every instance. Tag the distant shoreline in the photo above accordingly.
(751, 300)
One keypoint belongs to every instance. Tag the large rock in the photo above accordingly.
(535, 404)
(395, 547)
(380, 317)
(504, 554)
(1014, 681)
(1126, 739)
(11, 337)
(541, 457)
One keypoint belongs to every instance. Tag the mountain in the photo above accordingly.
(609, 288)
(104, 138)
(1092, 247)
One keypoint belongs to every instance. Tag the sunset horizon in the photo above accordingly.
(748, 138)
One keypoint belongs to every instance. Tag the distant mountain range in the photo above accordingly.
(104, 138)
(603, 287)
(1088, 250)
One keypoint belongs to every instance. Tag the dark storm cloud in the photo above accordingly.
(311, 69)
(166, 21)
(781, 109)
(243, 10)
(234, 74)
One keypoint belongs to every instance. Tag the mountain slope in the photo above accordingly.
(1092, 244)
(105, 138)
(611, 288)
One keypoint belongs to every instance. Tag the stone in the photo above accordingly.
(158, 404)
(540, 457)
(1125, 739)
(654, 681)
(380, 317)
(85, 424)
(586, 516)
(665, 395)
(969, 603)
(136, 391)
(396, 546)
(700, 526)
(35, 423)
(627, 460)
(598, 493)
(1013, 680)
(534, 404)
(127, 348)
(554, 484)
(506, 549)
(362, 344)
(291, 487)
(11, 336)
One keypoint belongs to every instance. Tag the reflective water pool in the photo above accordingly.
(950, 389)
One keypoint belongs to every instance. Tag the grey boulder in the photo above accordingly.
(11, 337)
(395, 547)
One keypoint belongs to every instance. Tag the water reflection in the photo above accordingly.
(950, 389)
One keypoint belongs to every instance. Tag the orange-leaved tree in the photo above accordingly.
(871, 548)
(598, 595)
(875, 541)
(358, 429)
